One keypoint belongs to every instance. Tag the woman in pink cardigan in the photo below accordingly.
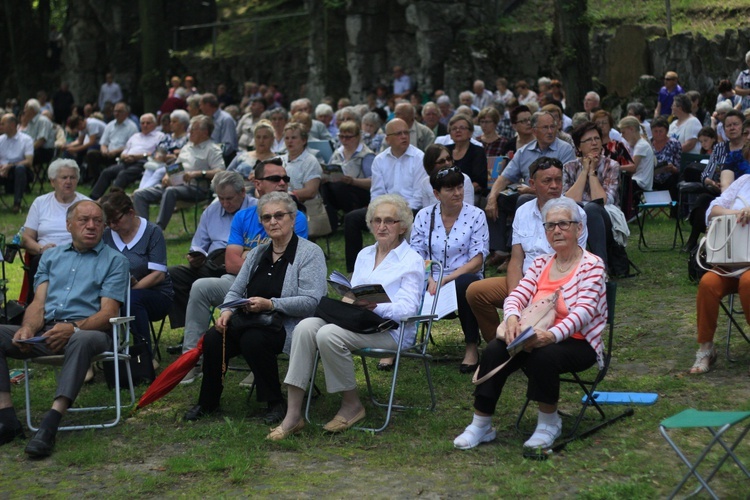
(572, 343)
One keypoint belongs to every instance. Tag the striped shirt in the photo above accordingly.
(585, 296)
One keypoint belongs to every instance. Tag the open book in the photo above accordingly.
(520, 342)
(176, 174)
(333, 172)
(367, 293)
(447, 301)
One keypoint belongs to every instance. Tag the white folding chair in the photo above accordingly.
(119, 352)
(416, 351)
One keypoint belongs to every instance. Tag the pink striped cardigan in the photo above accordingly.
(585, 295)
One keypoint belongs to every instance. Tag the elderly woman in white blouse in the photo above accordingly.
(389, 262)
(455, 234)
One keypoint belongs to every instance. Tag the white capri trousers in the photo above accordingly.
(335, 345)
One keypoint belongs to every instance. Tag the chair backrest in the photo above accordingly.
(688, 158)
(324, 147)
(421, 344)
(611, 300)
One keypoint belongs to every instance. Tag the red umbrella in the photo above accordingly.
(172, 375)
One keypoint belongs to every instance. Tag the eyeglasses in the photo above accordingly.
(525, 121)
(116, 220)
(564, 225)
(546, 128)
(442, 173)
(278, 217)
(400, 133)
(594, 139)
(274, 178)
(444, 161)
(347, 137)
(458, 128)
(376, 222)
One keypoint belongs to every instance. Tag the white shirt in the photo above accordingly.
(402, 275)
(468, 237)
(529, 232)
(109, 92)
(47, 218)
(736, 197)
(644, 174)
(403, 175)
(689, 129)
(428, 196)
(483, 100)
(143, 143)
(16, 148)
(302, 169)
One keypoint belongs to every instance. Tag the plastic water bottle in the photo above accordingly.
(18, 236)
(15, 245)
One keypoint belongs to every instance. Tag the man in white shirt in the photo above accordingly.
(420, 136)
(112, 142)
(397, 170)
(529, 242)
(16, 157)
(41, 130)
(200, 159)
(482, 96)
(401, 82)
(110, 91)
(130, 167)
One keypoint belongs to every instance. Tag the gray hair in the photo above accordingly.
(594, 95)
(277, 111)
(181, 116)
(210, 99)
(34, 104)
(323, 109)
(543, 81)
(194, 101)
(536, 116)
(203, 122)
(227, 178)
(277, 197)
(430, 105)
(347, 113)
(466, 93)
(372, 118)
(443, 99)
(55, 166)
(638, 110)
(71, 209)
(559, 204)
(403, 212)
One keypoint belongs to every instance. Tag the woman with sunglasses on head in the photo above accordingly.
(469, 157)
(351, 190)
(142, 242)
(455, 234)
(438, 157)
(571, 343)
(282, 282)
(389, 262)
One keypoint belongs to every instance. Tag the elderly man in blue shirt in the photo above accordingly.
(79, 287)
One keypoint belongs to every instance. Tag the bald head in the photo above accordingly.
(397, 136)
(405, 112)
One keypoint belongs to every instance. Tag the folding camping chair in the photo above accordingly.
(654, 203)
(589, 386)
(119, 352)
(416, 351)
(717, 423)
(730, 310)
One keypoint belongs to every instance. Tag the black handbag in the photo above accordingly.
(353, 318)
(141, 368)
(242, 321)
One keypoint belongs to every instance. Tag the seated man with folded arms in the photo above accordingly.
(486, 296)
(200, 159)
(245, 234)
(79, 287)
(16, 157)
(112, 142)
(130, 167)
(206, 255)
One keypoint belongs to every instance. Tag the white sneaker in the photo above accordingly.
(191, 376)
(544, 436)
(248, 381)
(473, 436)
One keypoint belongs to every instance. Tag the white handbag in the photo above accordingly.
(727, 245)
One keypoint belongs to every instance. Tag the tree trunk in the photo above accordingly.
(26, 43)
(153, 53)
(572, 28)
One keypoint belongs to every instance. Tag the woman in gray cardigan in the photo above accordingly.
(281, 281)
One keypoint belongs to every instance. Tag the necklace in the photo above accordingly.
(279, 253)
(562, 270)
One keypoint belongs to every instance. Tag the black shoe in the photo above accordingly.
(175, 349)
(275, 414)
(41, 444)
(197, 412)
(385, 367)
(464, 368)
(9, 433)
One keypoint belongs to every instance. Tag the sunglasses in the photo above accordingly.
(278, 217)
(442, 173)
(274, 178)
(544, 164)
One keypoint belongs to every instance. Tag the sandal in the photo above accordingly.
(703, 361)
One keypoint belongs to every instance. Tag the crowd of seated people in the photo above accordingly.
(413, 171)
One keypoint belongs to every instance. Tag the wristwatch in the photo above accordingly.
(203, 173)
(76, 329)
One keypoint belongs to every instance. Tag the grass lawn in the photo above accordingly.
(154, 454)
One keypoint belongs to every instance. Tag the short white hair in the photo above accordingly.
(34, 104)
(594, 95)
(466, 93)
(323, 109)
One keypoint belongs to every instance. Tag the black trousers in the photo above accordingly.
(542, 366)
(354, 225)
(183, 278)
(123, 175)
(17, 181)
(339, 196)
(259, 348)
(465, 315)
